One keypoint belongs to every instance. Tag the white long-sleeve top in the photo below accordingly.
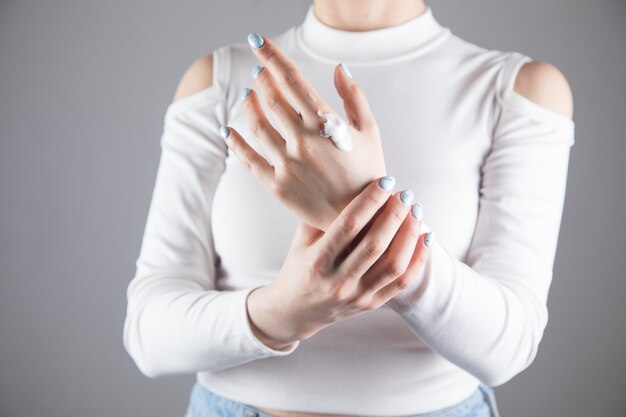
(488, 165)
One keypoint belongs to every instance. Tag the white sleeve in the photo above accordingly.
(488, 315)
(176, 321)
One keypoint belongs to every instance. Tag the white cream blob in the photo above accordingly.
(337, 130)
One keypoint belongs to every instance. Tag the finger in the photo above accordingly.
(354, 217)
(355, 103)
(249, 158)
(301, 92)
(378, 238)
(285, 115)
(260, 127)
(416, 266)
(396, 261)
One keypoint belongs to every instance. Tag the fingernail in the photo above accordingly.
(417, 211)
(224, 131)
(346, 70)
(407, 197)
(429, 239)
(256, 71)
(255, 40)
(387, 183)
(245, 92)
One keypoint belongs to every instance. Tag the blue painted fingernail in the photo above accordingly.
(245, 92)
(346, 70)
(417, 211)
(256, 71)
(224, 131)
(387, 183)
(430, 237)
(407, 197)
(255, 40)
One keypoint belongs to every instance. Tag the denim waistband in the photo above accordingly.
(206, 403)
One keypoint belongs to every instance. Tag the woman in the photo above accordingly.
(281, 266)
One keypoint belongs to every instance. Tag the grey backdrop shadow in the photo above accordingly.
(83, 91)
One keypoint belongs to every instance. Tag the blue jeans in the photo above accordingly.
(205, 403)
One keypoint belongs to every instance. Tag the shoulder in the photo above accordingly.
(197, 77)
(544, 84)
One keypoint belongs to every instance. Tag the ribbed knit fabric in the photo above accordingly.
(488, 165)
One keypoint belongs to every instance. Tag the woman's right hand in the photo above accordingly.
(370, 253)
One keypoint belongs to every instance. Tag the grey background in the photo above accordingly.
(83, 90)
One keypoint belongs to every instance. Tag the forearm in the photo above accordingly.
(173, 328)
(489, 328)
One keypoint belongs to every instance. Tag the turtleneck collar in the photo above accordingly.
(407, 39)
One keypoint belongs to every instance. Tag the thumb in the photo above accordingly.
(355, 103)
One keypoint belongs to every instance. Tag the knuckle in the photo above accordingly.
(256, 129)
(363, 302)
(356, 91)
(403, 283)
(288, 166)
(291, 76)
(279, 159)
(374, 247)
(377, 302)
(315, 268)
(396, 269)
(256, 171)
(398, 213)
(246, 161)
(273, 103)
(348, 225)
(300, 148)
(335, 294)
(377, 198)
(338, 293)
(279, 190)
(414, 232)
(320, 266)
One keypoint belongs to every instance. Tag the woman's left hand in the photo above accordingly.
(305, 171)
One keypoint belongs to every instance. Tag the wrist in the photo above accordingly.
(268, 321)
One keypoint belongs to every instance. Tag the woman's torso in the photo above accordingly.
(435, 109)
